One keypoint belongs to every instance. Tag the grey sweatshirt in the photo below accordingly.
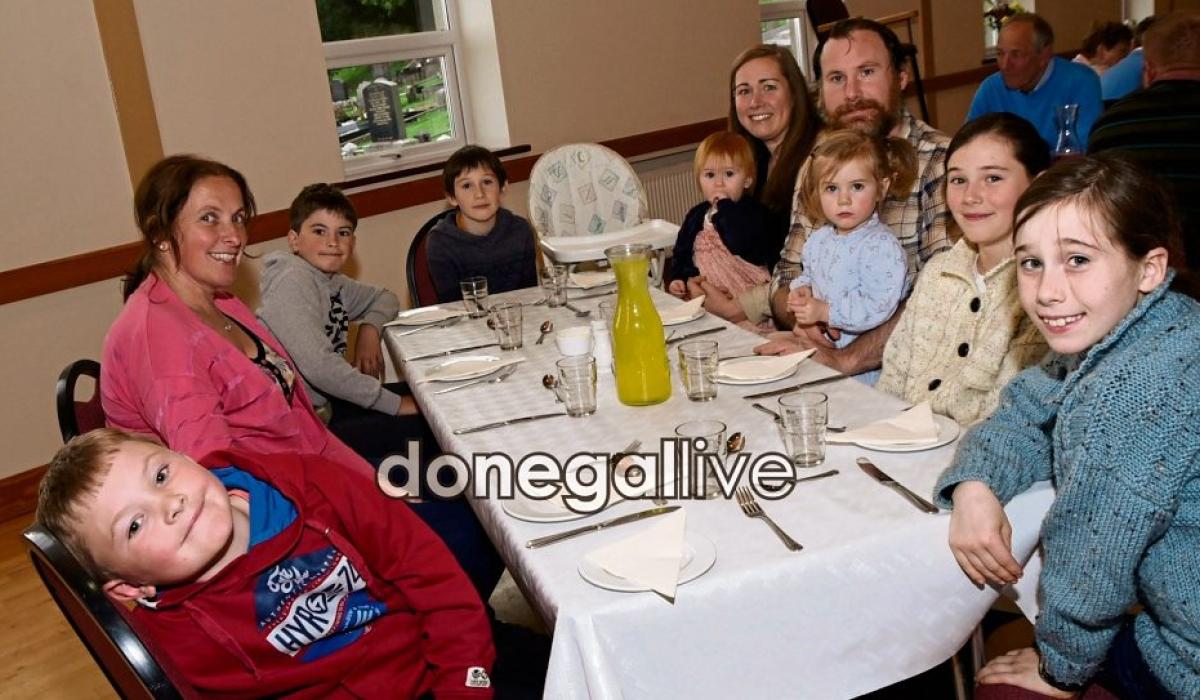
(297, 300)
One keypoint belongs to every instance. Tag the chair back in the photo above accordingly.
(421, 290)
(76, 417)
(131, 667)
(582, 189)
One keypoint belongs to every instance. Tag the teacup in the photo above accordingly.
(574, 341)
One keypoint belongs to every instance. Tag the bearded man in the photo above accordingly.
(860, 68)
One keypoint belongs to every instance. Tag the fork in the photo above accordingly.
(750, 507)
(505, 373)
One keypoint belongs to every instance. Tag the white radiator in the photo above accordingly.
(670, 191)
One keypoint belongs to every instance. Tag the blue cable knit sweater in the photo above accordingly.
(1118, 430)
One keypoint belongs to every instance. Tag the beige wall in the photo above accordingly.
(580, 70)
(245, 83)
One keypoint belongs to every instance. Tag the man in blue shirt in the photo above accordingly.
(1033, 83)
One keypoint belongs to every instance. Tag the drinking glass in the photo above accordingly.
(698, 366)
(507, 317)
(803, 417)
(608, 311)
(474, 295)
(554, 284)
(577, 384)
(707, 439)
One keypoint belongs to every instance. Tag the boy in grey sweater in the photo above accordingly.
(308, 305)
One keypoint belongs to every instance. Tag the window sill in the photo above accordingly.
(421, 168)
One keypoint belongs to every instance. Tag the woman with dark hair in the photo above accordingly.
(963, 336)
(769, 105)
(188, 362)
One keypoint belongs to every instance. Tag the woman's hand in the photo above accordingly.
(368, 356)
(1019, 667)
(981, 536)
(677, 288)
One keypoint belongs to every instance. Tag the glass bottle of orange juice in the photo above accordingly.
(639, 351)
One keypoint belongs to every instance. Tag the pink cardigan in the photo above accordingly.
(165, 372)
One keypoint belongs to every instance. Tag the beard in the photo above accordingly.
(873, 118)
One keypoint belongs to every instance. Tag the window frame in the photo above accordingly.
(803, 35)
(445, 44)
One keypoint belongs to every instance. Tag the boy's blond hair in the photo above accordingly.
(891, 158)
(75, 474)
(726, 144)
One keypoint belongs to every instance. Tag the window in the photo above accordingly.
(785, 23)
(995, 14)
(393, 80)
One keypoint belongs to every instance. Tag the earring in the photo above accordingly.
(162, 245)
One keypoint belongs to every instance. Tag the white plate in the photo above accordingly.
(678, 321)
(721, 379)
(699, 555)
(469, 367)
(591, 279)
(425, 316)
(947, 431)
(522, 509)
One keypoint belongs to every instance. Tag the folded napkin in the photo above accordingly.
(651, 557)
(429, 314)
(748, 369)
(469, 366)
(587, 279)
(912, 427)
(682, 312)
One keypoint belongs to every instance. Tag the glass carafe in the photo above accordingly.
(639, 350)
(1067, 144)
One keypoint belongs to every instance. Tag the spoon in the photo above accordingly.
(578, 311)
(547, 326)
(551, 382)
(735, 443)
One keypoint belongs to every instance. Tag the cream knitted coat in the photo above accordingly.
(955, 347)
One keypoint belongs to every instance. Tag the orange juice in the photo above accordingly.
(639, 351)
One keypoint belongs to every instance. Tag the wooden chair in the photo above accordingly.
(421, 290)
(823, 14)
(74, 416)
(133, 668)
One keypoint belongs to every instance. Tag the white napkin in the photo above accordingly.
(587, 279)
(748, 369)
(912, 427)
(682, 312)
(650, 557)
(469, 366)
(429, 314)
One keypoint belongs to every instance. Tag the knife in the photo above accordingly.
(502, 423)
(592, 296)
(794, 387)
(440, 353)
(613, 522)
(689, 336)
(877, 474)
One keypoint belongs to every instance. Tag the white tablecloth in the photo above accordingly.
(874, 597)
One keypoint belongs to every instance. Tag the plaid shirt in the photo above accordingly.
(918, 220)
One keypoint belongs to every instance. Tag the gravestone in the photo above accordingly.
(337, 89)
(383, 114)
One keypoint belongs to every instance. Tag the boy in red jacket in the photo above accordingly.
(269, 575)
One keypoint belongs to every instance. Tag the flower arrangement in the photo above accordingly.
(999, 12)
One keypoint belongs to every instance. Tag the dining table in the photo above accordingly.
(874, 597)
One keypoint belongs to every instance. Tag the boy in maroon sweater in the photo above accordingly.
(270, 575)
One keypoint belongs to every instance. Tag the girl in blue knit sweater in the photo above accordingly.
(1113, 419)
